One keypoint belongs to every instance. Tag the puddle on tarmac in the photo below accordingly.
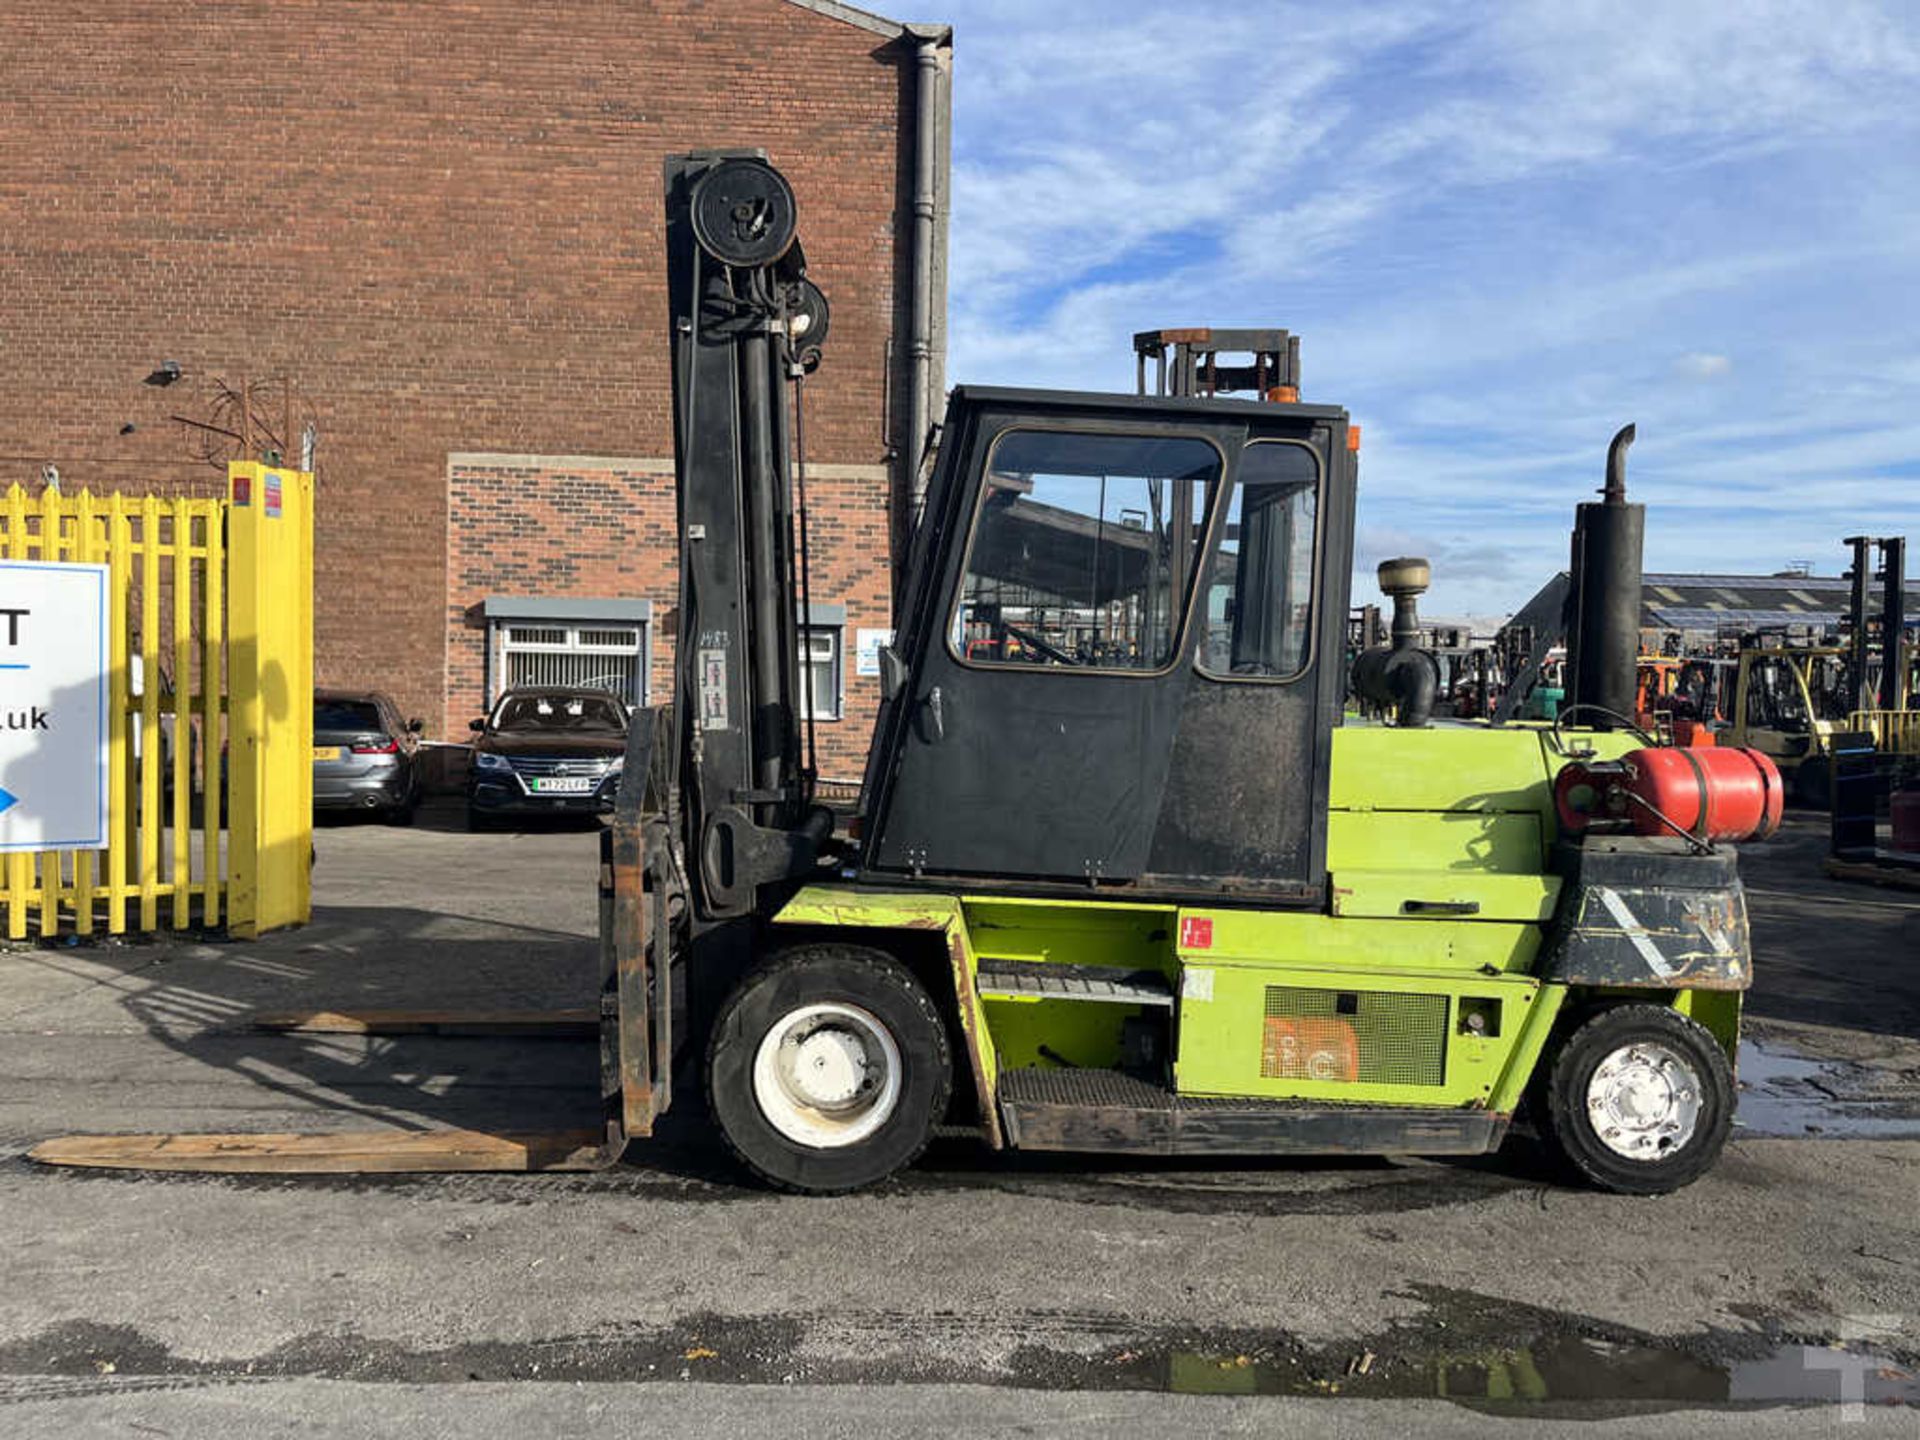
(1569, 1368)
(1787, 1095)
(1472, 1349)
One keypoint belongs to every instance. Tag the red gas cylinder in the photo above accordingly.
(1722, 793)
(1712, 793)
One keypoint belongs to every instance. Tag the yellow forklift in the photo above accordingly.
(1123, 878)
(1789, 703)
(1793, 702)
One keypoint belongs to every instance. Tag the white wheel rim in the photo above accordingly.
(1644, 1101)
(827, 1075)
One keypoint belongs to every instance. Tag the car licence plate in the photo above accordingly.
(329, 752)
(562, 785)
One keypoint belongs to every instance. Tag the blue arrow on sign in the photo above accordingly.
(7, 800)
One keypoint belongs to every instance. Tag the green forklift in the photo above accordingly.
(1122, 878)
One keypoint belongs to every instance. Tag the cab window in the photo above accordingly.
(1084, 550)
(1259, 589)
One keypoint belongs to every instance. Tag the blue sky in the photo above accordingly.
(1502, 230)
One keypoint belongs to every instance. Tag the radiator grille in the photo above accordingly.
(591, 766)
(1372, 1037)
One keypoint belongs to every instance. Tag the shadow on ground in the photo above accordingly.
(1829, 952)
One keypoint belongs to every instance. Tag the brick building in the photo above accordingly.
(434, 233)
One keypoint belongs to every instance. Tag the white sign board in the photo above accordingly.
(53, 706)
(866, 653)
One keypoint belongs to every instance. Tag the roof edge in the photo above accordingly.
(564, 607)
(878, 24)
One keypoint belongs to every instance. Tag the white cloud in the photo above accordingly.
(1703, 365)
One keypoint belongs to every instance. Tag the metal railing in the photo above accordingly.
(1894, 732)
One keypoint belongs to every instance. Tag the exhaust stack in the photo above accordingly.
(1603, 619)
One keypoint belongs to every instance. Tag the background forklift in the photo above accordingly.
(1121, 881)
(1789, 701)
(1796, 702)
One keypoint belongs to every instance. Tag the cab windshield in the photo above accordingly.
(598, 714)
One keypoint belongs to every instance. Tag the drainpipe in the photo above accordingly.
(929, 127)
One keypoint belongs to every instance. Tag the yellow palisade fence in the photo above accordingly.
(210, 693)
(1895, 732)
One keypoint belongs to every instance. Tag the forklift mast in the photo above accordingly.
(1187, 362)
(746, 323)
(715, 802)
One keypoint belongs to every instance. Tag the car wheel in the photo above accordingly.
(477, 819)
(828, 1068)
(1640, 1100)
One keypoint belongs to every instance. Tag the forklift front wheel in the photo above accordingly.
(1640, 1100)
(828, 1069)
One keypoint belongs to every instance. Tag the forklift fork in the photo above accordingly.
(636, 1005)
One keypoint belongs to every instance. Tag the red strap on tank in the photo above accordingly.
(1769, 781)
(1699, 826)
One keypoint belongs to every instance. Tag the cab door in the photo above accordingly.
(1047, 656)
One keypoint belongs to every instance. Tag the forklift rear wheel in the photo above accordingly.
(1813, 782)
(1640, 1100)
(828, 1069)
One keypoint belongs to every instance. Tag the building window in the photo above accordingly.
(594, 657)
(822, 671)
(595, 645)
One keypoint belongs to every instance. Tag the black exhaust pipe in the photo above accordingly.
(1603, 623)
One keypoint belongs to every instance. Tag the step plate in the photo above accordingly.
(1112, 985)
(1106, 1111)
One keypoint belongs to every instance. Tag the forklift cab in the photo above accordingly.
(1120, 656)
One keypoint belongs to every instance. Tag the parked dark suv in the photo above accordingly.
(364, 756)
(547, 751)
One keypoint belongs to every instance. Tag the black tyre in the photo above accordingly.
(1813, 783)
(1640, 1100)
(828, 1068)
(478, 820)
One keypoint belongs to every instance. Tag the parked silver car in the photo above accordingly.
(364, 756)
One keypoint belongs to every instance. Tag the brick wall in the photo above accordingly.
(444, 224)
(593, 528)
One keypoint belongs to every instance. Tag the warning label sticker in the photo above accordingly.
(713, 690)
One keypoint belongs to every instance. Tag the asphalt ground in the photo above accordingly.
(991, 1294)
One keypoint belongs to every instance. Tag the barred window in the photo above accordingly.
(594, 657)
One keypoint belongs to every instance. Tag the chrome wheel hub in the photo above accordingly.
(1644, 1101)
(827, 1075)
